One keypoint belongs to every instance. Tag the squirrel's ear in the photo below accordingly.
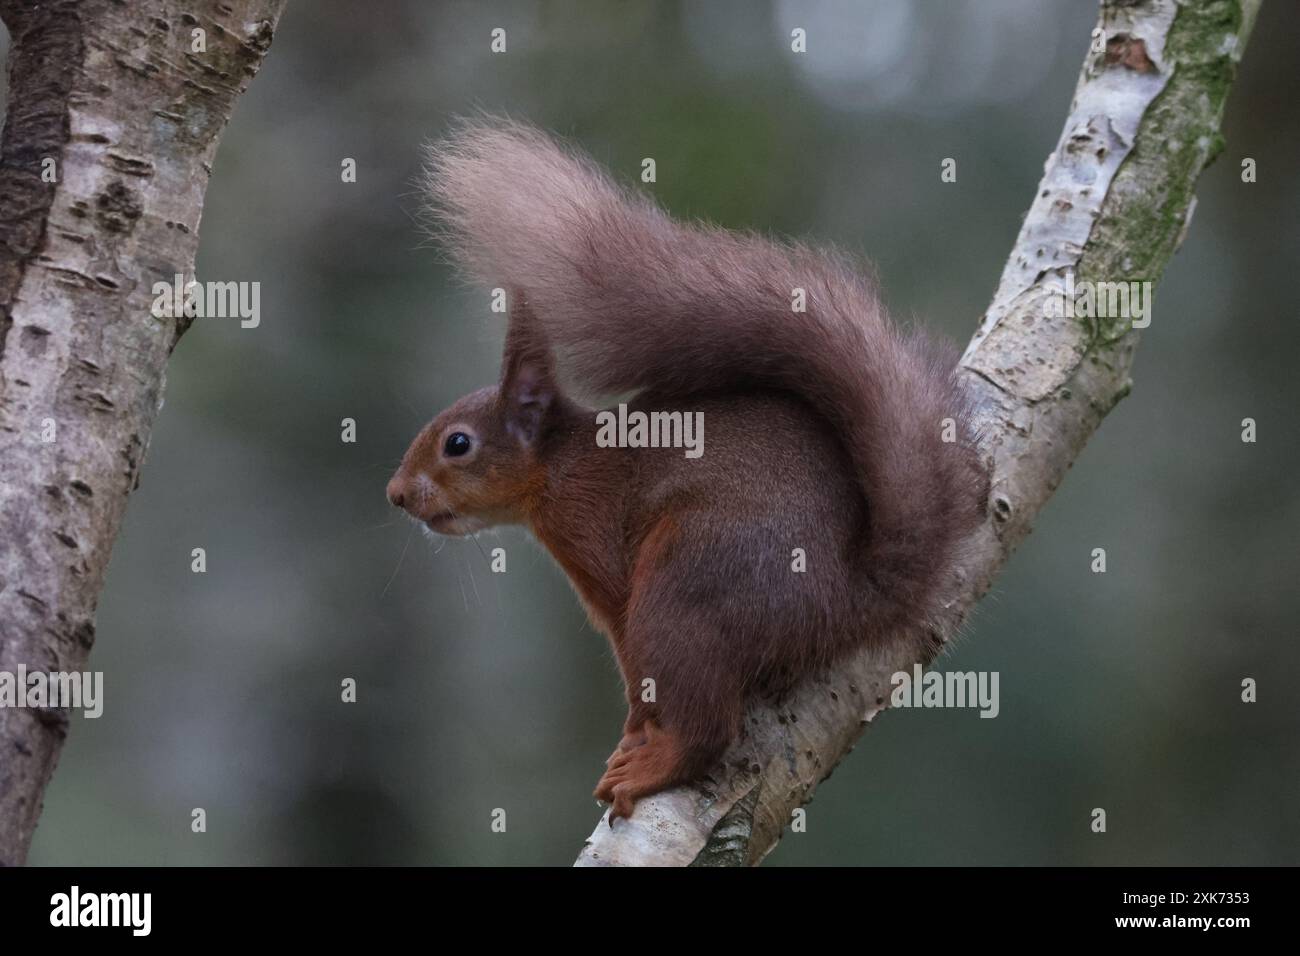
(527, 376)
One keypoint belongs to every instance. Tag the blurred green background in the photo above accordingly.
(480, 691)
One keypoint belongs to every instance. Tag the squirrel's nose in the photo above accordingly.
(397, 491)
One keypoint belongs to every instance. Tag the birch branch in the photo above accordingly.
(114, 114)
(1116, 198)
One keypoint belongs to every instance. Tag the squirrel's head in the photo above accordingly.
(478, 464)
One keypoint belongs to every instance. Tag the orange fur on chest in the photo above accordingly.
(599, 587)
(605, 588)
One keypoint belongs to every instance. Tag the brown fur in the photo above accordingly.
(822, 432)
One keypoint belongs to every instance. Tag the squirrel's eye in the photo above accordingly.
(456, 445)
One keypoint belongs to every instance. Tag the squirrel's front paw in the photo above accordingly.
(651, 764)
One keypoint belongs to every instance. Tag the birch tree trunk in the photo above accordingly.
(114, 114)
(1115, 200)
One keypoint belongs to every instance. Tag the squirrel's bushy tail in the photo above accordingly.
(633, 299)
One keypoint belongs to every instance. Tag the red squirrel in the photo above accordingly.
(829, 431)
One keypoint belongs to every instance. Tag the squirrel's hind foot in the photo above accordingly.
(641, 770)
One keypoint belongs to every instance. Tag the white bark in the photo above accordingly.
(115, 95)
